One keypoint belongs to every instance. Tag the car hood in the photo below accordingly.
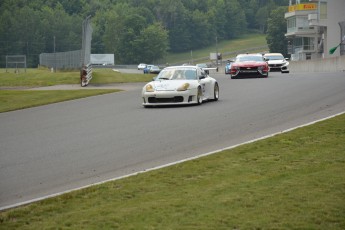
(276, 61)
(248, 64)
(170, 85)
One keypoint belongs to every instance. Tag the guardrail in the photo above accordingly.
(331, 64)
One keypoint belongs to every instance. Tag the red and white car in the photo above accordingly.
(249, 65)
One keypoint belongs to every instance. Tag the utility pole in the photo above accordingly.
(54, 56)
(191, 57)
(217, 51)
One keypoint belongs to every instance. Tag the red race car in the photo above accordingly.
(249, 65)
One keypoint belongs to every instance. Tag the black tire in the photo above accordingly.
(199, 96)
(216, 92)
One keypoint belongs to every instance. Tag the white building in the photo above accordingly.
(102, 59)
(314, 27)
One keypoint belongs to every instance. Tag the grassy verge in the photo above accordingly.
(244, 43)
(295, 180)
(43, 77)
(20, 99)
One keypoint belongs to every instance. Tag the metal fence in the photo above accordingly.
(76, 59)
(16, 62)
(61, 60)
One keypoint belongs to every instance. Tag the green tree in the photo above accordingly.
(236, 23)
(151, 45)
(201, 28)
(276, 39)
(261, 18)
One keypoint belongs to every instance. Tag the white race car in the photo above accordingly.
(180, 85)
(277, 62)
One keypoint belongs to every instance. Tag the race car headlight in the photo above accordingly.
(149, 88)
(183, 87)
(263, 68)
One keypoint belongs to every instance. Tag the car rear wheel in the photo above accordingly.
(216, 92)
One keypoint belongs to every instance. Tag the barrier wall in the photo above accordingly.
(333, 64)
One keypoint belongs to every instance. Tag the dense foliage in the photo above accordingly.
(276, 40)
(134, 30)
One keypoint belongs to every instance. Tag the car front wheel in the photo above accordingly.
(216, 92)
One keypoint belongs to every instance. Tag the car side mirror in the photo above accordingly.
(287, 59)
(202, 77)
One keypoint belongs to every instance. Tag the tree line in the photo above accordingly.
(134, 30)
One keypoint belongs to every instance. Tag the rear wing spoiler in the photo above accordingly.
(207, 70)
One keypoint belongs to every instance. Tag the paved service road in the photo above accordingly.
(54, 148)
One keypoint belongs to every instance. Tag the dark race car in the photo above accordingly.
(249, 65)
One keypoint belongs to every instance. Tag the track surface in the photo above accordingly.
(58, 147)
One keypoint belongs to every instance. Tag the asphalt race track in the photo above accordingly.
(50, 149)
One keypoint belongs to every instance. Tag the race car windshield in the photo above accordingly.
(249, 58)
(275, 57)
(177, 74)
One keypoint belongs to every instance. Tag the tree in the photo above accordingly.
(151, 45)
(201, 28)
(261, 18)
(276, 39)
(236, 23)
(29, 27)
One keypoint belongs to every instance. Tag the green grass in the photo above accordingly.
(43, 77)
(20, 99)
(295, 180)
(241, 44)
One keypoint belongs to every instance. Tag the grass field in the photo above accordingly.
(43, 77)
(20, 98)
(294, 180)
(248, 42)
